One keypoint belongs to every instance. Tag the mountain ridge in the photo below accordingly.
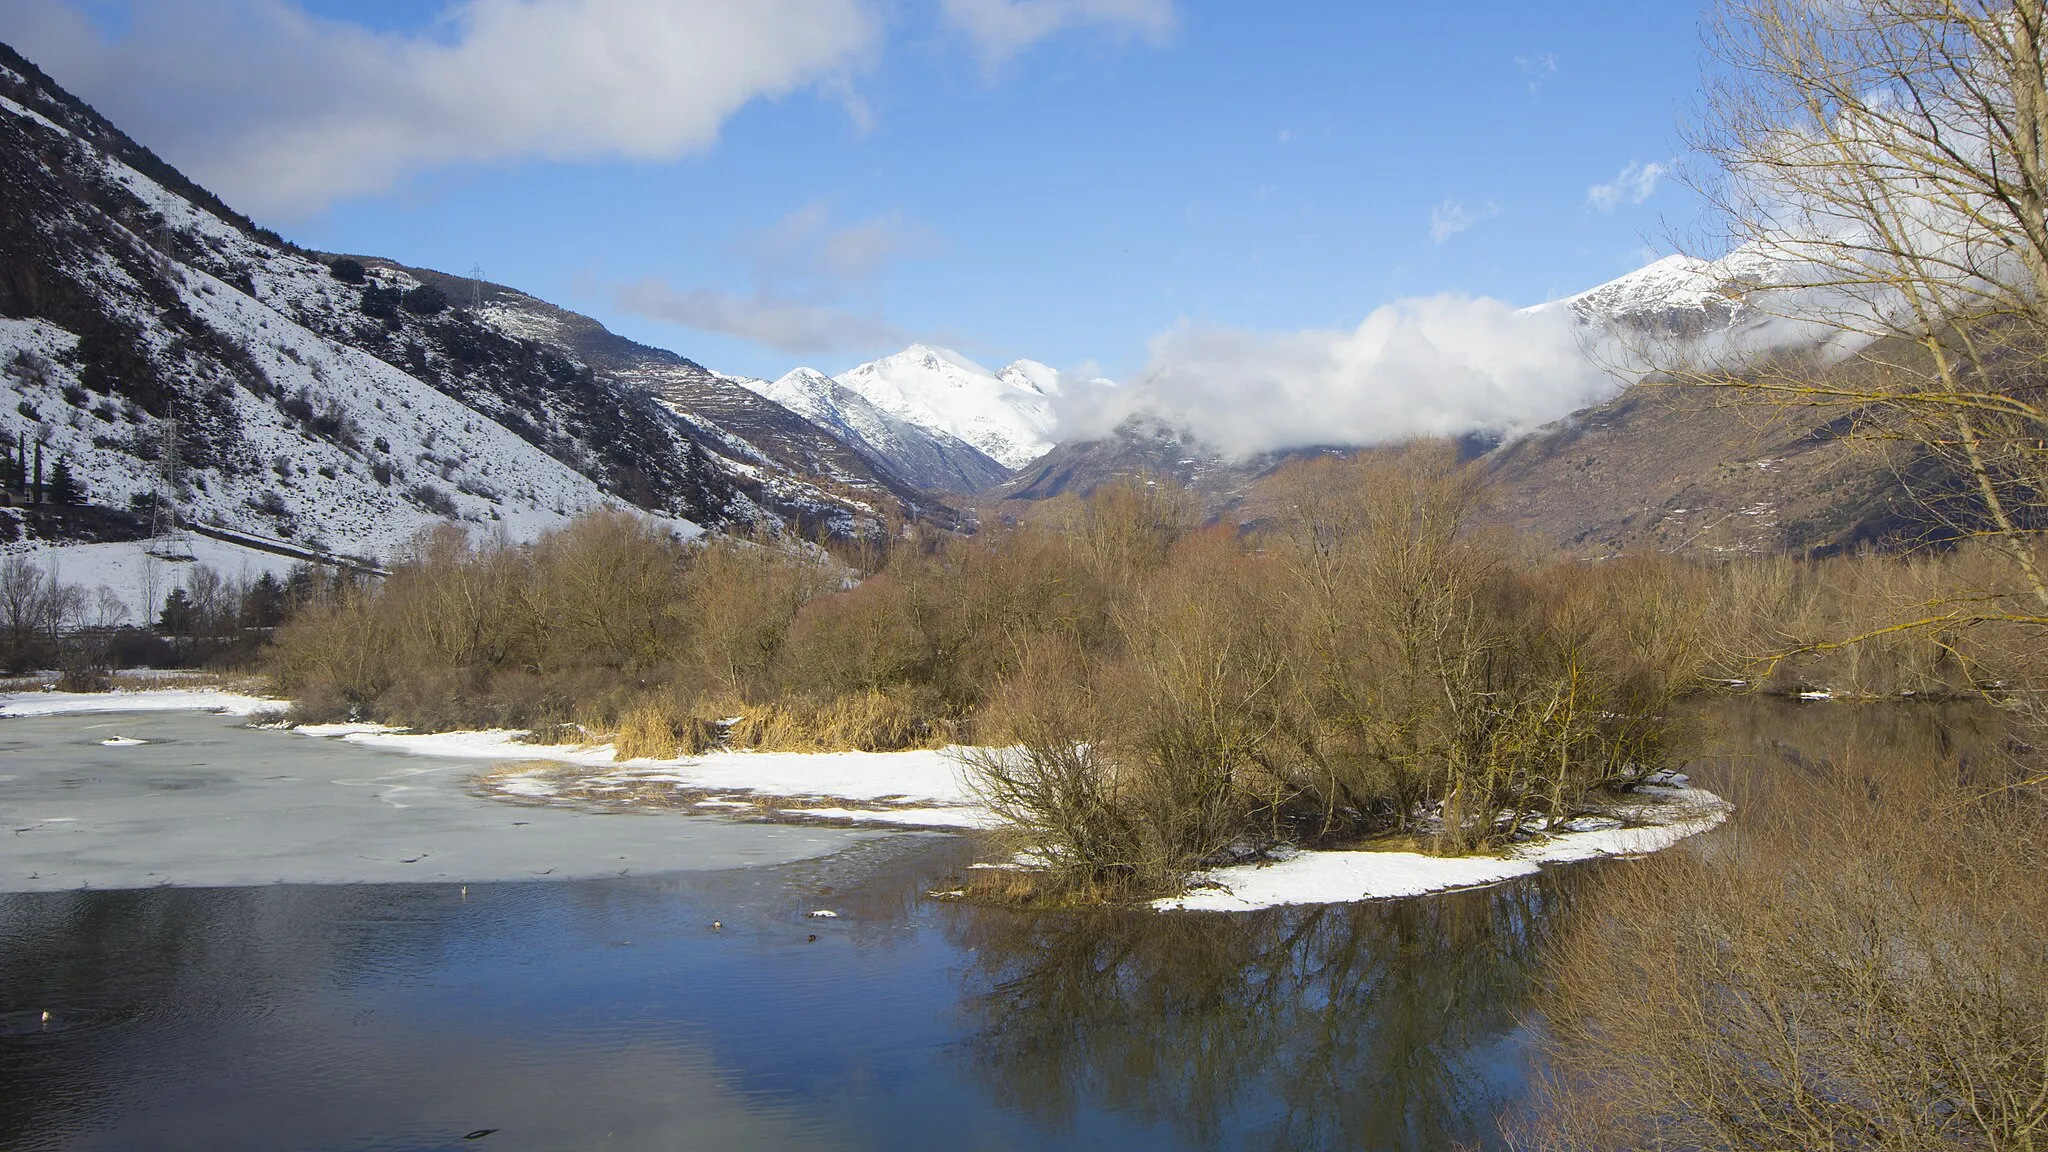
(348, 402)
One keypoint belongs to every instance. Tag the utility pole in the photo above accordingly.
(476, 287)
(162, 518)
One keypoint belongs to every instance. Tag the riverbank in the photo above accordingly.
(922, 789)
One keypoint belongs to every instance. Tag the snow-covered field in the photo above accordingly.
(921, 788)
(928, 789)
(142, 580)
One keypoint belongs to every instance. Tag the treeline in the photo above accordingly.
(85, 634)
(1359, 658)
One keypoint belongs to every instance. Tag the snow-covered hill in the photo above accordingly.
(1684, 309)
(733, 410)
(926, 456)
(1006, 415)
(339, 403)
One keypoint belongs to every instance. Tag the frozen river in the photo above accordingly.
(131, 800)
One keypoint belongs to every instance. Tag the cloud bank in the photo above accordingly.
(283, 112)
(1431, 366)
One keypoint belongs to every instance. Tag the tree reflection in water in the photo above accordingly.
(1387, 1025)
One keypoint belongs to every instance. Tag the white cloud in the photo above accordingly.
(767, 319)
(1429, 366)
(1538, 68)
(814, 285)
(1002, 28)
(1635, 184)
(283, 112)
(1452, 217)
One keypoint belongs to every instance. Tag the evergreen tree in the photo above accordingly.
(64, 487)
(263, 605)
(178, 616)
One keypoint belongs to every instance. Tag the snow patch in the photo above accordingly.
(141, 700)
(1667, 815)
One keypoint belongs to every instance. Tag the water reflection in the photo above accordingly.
(1391, 1025)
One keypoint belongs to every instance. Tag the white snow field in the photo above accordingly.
(921, 788)
(19, 704)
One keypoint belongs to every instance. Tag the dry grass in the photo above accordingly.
(1040, 890)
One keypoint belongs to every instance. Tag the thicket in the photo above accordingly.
(85, 634)
(1361, 657)
(1856, 963)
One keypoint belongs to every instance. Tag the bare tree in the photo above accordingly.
(1886, 163)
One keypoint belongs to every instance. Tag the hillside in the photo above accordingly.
(928, 457)
(142, 320)
(1680, 469)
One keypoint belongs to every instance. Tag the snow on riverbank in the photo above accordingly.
(140, 700)
(1663, 815)
(922, 788)
(927, 788)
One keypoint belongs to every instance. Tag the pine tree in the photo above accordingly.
(178, 617)
(64, 487)
(263, 605)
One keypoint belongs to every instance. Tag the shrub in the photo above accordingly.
(1860, 966)
(872, 721)
(646, 731)
(425, 300)
(434, 500)
(380, 302)
(347, 271)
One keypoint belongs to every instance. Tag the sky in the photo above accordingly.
(1102, 185)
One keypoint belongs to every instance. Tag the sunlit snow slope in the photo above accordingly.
(138, 313)
(1007, 415)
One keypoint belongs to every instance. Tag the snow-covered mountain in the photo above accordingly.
(928, 457)
(1006, 415)
(1684, 309)
(341, 402)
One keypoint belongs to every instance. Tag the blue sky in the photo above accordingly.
(1059, 179)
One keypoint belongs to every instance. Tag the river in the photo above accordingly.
(299, 943)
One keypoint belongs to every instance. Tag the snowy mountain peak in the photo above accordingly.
(1006, 415)
(1032, 376)
(928, 457)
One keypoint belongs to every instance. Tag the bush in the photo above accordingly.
(425, 300)
(380, 302)
(347, 271)
(1858, 966)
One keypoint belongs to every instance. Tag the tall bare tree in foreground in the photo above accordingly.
(1886, 163)
(1859, 963)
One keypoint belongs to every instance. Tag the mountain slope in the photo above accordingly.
(1657, 467)
(926, 457)
(1006, 415)
(137, 312)
(731, 415)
